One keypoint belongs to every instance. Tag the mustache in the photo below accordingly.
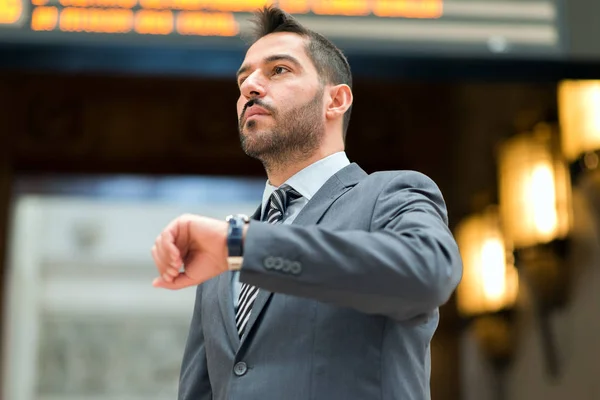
(259, 103)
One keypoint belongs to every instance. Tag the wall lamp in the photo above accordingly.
(536, 213)
(579, 114)
(488, 290)
(527, 236)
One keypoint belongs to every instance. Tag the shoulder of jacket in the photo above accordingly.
(408, 175)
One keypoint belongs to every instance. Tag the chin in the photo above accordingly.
(253, 132)
(250, 144)
(257, 147)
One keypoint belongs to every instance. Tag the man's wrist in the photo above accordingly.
(238, 225)
(235, 263)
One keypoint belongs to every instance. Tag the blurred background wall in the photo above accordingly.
(576, 329)
(83, 320)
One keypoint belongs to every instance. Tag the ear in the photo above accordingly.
(339, 102)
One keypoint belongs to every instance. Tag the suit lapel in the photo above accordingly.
(263, 295)
(333, 189)
(311, 214)
(226, 302)
(257, 213)
(259, 305)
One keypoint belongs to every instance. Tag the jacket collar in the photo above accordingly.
(311, 214)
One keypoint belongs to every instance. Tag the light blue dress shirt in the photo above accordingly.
(307, 182)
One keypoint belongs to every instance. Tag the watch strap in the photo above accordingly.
(235, 239)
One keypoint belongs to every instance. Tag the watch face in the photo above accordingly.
(244, 218)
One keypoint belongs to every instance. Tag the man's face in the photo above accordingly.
(280, 109)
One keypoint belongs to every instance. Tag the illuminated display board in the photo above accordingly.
(498, 26)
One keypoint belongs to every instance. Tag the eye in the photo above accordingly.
(280, 70)
(241, 80)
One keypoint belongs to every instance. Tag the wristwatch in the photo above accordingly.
(235, 242)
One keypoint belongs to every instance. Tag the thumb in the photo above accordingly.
(179, 282)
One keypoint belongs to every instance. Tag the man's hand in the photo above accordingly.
(199, 244)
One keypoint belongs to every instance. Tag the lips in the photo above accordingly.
(255, 110)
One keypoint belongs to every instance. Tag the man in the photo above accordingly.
(332, 289)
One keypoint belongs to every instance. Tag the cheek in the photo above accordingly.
(240, 106)
(296, 96)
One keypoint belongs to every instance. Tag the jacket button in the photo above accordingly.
(240, 369)
(278, 263)
(295, 268)
(269, 263)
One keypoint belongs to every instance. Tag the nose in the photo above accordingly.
(253, 86)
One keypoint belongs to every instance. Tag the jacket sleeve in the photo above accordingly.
(406, 265)
(194, 383)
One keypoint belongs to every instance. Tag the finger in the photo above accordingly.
(162, 251)
(171, 256)
(160, 282)
(172, 252)
(180, 282)
(178, 229)
(168, 278)
(159, 251)
(162, 267)
(169, 268)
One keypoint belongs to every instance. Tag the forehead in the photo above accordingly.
(281, 43)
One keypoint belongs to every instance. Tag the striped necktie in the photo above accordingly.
(275, 210)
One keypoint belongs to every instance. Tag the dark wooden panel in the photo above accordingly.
(189, 126)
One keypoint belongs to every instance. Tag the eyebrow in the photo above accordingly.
(271, 59)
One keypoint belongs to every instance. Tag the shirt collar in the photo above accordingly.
(309, 180)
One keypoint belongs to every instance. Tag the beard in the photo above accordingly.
(296, 135)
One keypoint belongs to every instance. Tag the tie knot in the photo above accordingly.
(279, 202)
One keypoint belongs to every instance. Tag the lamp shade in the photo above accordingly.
(534, 189)
(579, 113)
(490, 280)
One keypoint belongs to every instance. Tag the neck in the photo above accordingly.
(279, 173)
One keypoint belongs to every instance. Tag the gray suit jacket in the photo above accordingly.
(348, 302)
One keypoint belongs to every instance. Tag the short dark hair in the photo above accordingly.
(329, 61)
